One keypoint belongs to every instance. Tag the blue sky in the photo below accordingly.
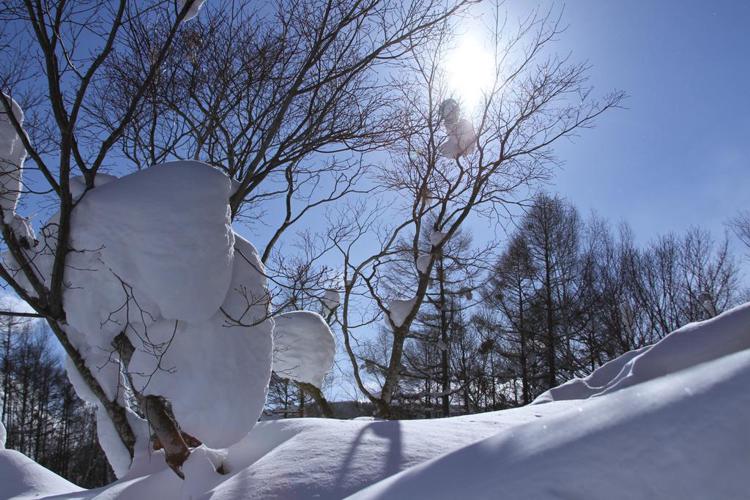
(680, 154)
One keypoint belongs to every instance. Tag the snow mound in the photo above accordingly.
(21, 477)
(166, 230)
(12, 155)
(214, 372)
(681, 436)
(304, 347)
(692, 344)
(78, 184)
(676, 430)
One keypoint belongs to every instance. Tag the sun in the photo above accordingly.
(469, 71)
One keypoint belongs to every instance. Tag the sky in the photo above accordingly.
(679, 155)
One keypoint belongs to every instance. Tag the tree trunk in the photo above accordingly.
(318, 397)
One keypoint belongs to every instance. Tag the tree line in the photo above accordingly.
(560, 297)
(44, 418)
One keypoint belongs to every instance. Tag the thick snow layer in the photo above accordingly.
(22, 478)
(12, 155)
(195, 6)
(399, 310)
(117, 455)
(304, 347)
(681, 434)
(165, 230)
(683, 348)
(214, 372)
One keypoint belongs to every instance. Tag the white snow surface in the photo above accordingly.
(304, 347)
(677, 430)
(22, 478)
(398, 311)
(12, 155)
(693, 343)
(78, 183)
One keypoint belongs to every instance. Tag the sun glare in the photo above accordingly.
(469, 72)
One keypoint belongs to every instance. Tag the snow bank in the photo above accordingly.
(692, 344)
(78, 183)
(304, 347)
(12, 155)
(21, 477)
(682, 436)
(678, 430)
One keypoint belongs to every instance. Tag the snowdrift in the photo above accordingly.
(666, 422)
(21, 477)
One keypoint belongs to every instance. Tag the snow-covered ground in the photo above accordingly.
(669, 422)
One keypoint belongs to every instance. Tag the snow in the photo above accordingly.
(674, 426)
(117, 455)
(693, 343)
(166, 229)
(461, 140)
(304, 347)
(214, 372)
(195, 7)
(154, 255)
(682, 436)
(398, 311)
(437, 237)
(331, 299)
(12, 155)
(423, 262)
(22, 478)
(78, 184)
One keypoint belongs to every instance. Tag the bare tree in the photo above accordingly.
(65, 135)
(281, 97)
(533, 101)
